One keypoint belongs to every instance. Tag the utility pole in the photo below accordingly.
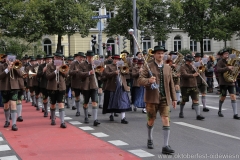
(134, 28)
(100, 49)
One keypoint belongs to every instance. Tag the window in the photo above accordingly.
(193, 45)
(146, 43)
(111, 15)
(177, 43)
(162, 43)
(111, 46)
(206, 45)
(47, 45)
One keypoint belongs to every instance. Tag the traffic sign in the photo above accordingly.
(100, 17)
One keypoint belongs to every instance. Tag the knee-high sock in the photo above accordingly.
(73, 100)
(19, 109)
(78, 105)
(28, 95)
(94, 112)
(150, 131)
(178, 95)
(14, 116)
(234, 106)
(220, 105)
(7, 114)
(197, 108)
(45, 107)
(61, 114)
(204, 101)
(85, 112)
(53, 113)
(123, 115)
(181, 107)
(166, 133)
(100, 99)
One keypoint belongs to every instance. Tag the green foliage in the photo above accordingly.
(185, 51)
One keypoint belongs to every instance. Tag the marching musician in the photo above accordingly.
(188, 85)
(176, 78)
(222, 67)
(201, 86)
(89, 86)
(32, 80)
(9, 89)
(68, 80)
(158, 99)
(43, 81)
(100, 83)
(134, 64)
(75, 79)
(116, 99)
(138, 90)
(56, 87)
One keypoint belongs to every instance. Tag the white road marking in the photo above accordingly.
(212, 107)
(74, 122)
(141, 153)
(67, 118)
(1, 139)
(4, 148)
(9, 158)
(86, 128)
(118, 143)
(206, 130)
(100, 134)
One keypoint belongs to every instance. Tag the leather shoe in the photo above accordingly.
(95, 123)
(45, 114)
(100, 106)
(37, 108)
(14, 127)
(7, 124)
(73, 108)
(193, 107)
(144, 111)
(220, 114)
(135, 109)
(236, 117)
(20, 119)
(123, 121)
(53, 123)
(205, 109)
(63, 125)
(150, 144)
(181, 115)
(78, 114)
(167, 150)
(178, 102)
(89, 115)
(43, 110)
(86, 120)
(200, 117)
(115, 115)
(111, 118)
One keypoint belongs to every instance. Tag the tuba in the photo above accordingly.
(231, 76)
(178, 61)
(124, 69)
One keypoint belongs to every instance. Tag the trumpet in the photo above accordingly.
(17, 64)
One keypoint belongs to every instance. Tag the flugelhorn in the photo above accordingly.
(64, 68)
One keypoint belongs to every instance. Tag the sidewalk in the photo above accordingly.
(37, 139)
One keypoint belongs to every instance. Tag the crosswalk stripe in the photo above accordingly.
(4, 147)
(141, 153)
(9, 158)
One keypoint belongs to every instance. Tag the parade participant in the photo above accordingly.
(9, 89)
(108, 59)
(201, 86)
(134, 64)
(36, 83)
(138, 90)
(100, 83)
(139, 55)
(19, 99)
(158, 99)
(188, 85)
(209, 73)
(56, 87)
(144, 53)
(70, 59)
(116, 99)
(89, 86)
(43, 79)
(32, 80)
(76, 83)
(225, 86)
(176, 77)
(27, 91)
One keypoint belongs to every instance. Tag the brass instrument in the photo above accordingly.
(99, 69)
(1, 56)
(149, 55)
(17, 64)
(231, 76)
(199, 74)
(178, 61)
(64, 68)
(125, 68)
(98, 66)
(31, 74)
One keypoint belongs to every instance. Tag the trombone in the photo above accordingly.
(16, 65)
(203, 80)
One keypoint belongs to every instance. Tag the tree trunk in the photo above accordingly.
(59, 44)
(201, 47)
